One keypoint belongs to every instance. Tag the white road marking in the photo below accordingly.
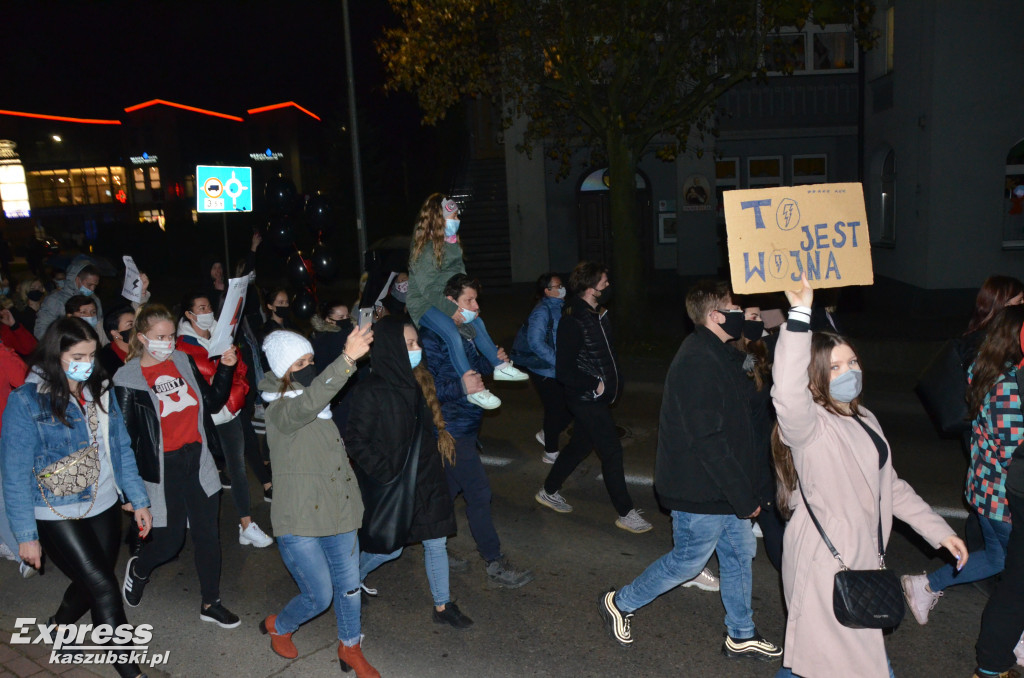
(495, 461)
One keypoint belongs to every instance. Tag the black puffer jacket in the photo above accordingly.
(708, 459)
(381, 427)
(584, 355)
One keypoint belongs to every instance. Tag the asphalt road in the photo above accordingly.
(550, 627)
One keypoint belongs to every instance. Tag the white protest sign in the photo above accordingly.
(775, 234)
(132, 289)
(230, 315)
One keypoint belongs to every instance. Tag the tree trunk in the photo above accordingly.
(627, 266)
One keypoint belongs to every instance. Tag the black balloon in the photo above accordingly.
(304, 305)
(280, 195)
(297, 271)
(324, 264)
(281, 234)
(318, 216)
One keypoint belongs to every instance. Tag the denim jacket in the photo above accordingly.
(33, 439)
(534, 346)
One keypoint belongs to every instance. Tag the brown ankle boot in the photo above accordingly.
(352, 658)
(281, 643)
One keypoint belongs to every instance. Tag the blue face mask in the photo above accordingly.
(91, 319)
(451, 227)
(4, 291)
(85, 290)
(79, 370)
(467, 315)
(415, 357)
(846, 386)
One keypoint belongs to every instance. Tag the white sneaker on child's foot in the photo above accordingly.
(484, 399)
(506, 372)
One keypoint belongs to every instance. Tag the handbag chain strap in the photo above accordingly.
(828, 542)
(93, 421)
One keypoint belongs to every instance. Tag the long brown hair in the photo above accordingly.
(1000, 348)
(819, 374)
(445, 441)
(992, 297)
(429, 229)
(145, 318)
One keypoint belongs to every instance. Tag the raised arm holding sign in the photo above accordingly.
(778, 234)
(230, 315)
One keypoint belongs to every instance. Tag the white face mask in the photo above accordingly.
(561, 292)
(204, 321)
(160, 350)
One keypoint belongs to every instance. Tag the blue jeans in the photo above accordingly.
(446, 329)
(468, 476)
(435, 558)
(981, 564)
(695, 536)
(326, 569)
(788, 673)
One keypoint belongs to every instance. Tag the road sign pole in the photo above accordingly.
(357, 172)
(227, 254)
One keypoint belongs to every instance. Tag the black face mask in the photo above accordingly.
(606, 296)
(753, 329)
(304, 376)
(733, 325)
(125, 335)
(282, 312)
(35, 295)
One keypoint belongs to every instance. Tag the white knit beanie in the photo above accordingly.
(284, 347)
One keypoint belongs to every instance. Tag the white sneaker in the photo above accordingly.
(549, 457)
(757, 533)
(484, 399)
(6, 553)
(554, 501)
(920, 598)
(1018, 651)
(632, 522)
(705, 581)
(26, 570)
(254, 536)
(506, 372)
(540, 437)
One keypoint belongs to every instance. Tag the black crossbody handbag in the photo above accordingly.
(863, 599)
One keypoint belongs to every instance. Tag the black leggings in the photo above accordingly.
(86, 551)
(186, 501)
(556, 413)
(253, 449)
(232, 444)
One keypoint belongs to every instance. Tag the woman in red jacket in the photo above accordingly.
(195, 329)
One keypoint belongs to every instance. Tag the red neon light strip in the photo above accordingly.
(154, 102)
(61, 118)
(264, 109)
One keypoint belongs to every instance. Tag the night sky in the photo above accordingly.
(95, 58)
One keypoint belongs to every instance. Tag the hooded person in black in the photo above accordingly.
(394, 415)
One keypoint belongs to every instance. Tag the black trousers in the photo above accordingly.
(253, 450)
(232, 445)
(556, 412)
(86, 551)
(1002, 622)
(186, 502)
(593, 429)
(772, 529)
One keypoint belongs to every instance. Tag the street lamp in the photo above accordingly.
(56, 137)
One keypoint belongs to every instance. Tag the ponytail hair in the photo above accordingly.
(445, 441)
(145, 318)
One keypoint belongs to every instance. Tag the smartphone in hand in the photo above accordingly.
(365, 317)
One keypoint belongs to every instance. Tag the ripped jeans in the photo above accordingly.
(326, 569)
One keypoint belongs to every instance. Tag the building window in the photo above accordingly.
(153, 217)
(13, 191)
(154, 177)
(727, 178)
(1013, 199)
(139, 176)
(809, 169)
(764, 172)
(888, 199)
(79, 186)
(815, 49)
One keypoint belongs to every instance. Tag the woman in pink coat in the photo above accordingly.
(835, 448)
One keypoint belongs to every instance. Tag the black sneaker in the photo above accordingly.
(225, 482)
(134, 585)
(618, 622)
(219, 615)
(452, 616)
(268, 494)
(754, 647)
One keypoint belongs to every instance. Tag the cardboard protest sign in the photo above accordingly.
(132, 288)
(230, 315)
(775, 234)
